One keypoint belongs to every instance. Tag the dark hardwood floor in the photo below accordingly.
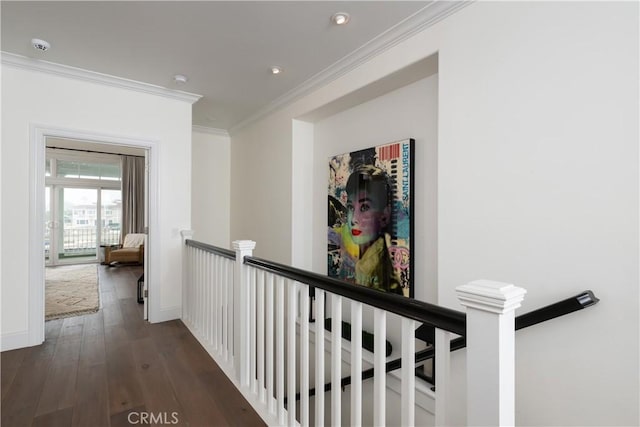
(112, 368)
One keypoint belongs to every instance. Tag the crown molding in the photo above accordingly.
(19, 61)
(419, 21)
(210, 131)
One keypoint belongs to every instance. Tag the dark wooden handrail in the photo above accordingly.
(431, 314)
(435, 315)
(212, 249)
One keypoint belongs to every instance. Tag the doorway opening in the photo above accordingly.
(58, 235)
(90, 188)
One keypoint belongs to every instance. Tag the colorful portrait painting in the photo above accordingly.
(370, 216)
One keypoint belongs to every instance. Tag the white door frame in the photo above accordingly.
(37, 146)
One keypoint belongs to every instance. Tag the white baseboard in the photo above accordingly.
(165, 314)
(14, 340)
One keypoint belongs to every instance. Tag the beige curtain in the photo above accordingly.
(132, 195)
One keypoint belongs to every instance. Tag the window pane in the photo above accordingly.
(67, 169)
(84, 170)
(47, 168)
(110, 172)
(89, 170)
(111, 216)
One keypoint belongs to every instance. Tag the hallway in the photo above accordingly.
(112, 368)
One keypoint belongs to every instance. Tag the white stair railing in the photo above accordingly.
(252, 316)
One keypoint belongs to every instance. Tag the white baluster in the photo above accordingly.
(280, 348)
(319, 374)
(269, 338)
(408, 372)
(218, 322)
(224, 320)
(356, 363)
(252, 330)
(200, 291)
(226, 295)
(304, 355)
(379, 366)
(260, 326)
(209, 283)
(291, 351)
(336, 359)
(443, 375)
(203, 292)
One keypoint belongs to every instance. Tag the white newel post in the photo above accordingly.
(490, 351)
(241, 310)
(186, 235)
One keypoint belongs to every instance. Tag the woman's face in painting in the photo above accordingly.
(367, 216)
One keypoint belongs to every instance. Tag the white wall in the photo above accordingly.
(537, 185)
(210, 188)
(35, 98)
(261, 185)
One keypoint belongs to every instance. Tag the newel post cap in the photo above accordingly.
(243, 245)
(186, 234)
(491, 296)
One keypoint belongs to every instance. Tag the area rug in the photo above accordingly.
(71, 291)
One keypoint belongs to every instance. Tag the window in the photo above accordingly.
(88, 170)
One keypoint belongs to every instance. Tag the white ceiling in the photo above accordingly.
(226, 48)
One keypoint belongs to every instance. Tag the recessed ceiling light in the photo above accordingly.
(276, 70)
(340, 18)
(41, 45)
(180, 79)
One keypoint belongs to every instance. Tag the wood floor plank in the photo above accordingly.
(237, 411)
(124, 387)
(93, 351)
(112, 315)
(93, 325)
(20, 402)
(67, 350)
(92, 400)
(198, 407)
(60, 418)
(10, 361)
(52, 328)
(159, 395)
(59, 389)
(72, 328)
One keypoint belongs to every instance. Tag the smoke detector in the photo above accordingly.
(41, 45)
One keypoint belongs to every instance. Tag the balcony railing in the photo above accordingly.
(81, 241)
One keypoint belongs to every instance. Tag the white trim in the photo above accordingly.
(211, 131)
(419, 21)
(38, 135)
(14, 340)
(19, 61)
(491, 296)
(166, 314)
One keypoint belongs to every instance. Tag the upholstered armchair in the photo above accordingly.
(132, 250)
